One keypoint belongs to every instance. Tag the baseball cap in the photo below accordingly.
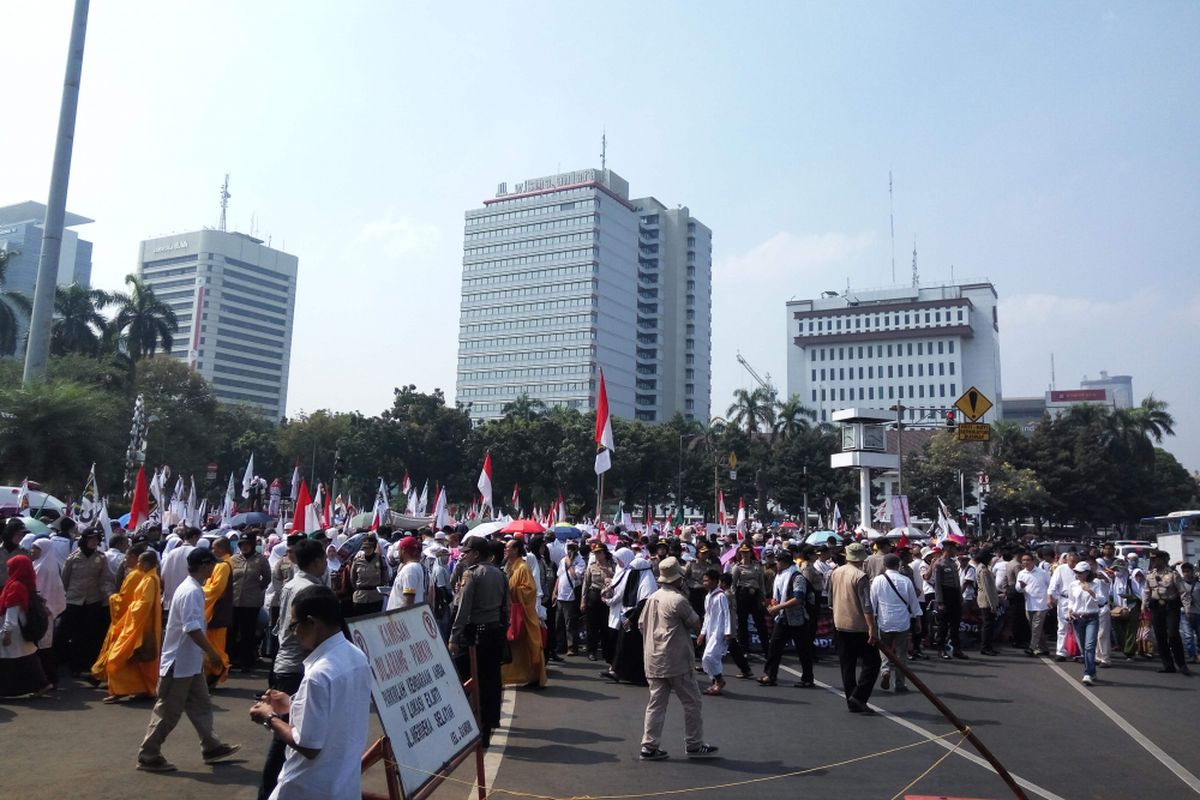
(410, 544)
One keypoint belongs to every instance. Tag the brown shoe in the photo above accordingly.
(155, 764)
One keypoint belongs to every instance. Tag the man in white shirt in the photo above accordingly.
(897, 608)
(1060, 583)
(174, 567)
(1033, 581)
(412, 584)
(181, 682)
(325, 729)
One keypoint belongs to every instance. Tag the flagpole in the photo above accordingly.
(599, 494)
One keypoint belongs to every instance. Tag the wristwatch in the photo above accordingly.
(266, 723)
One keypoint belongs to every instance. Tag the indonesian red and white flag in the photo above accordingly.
(741, 519)
(516, 499)
(604, 435)
(406, 484)
(485, 482)
(721, 508)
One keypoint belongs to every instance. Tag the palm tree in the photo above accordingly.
(791, 418)
(753, 410)
(524, 407)
(145, 321)
(13, 306)
(1154, 419)
(78, 324)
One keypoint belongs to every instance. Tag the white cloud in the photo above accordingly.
(398, 237)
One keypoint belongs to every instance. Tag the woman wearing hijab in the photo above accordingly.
(50, 587)
(597, 576)
(20, 669)
(131, 666)
(527, 667)
(633, 582)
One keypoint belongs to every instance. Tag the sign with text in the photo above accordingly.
(973, 432)
(1077, 396)
(418, 696)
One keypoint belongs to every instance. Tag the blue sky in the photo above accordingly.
(1049, 147)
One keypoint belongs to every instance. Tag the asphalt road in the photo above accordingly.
(580, 736)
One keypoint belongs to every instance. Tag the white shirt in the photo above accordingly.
(115, 559)
(1034, 584)
(1000, 571)
(894, 609)
(716, 621)
(174, 571)
(824, 566)
(1080, 601)
(329, 713)
(186, 615)
(564, 587)
(1060, 581)
(412, 579)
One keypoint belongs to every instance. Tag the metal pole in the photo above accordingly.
(37, 351)
(962, 495)
(679, 491)
(805, 526)
(864, 497)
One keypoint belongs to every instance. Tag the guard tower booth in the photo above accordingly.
(864, 447)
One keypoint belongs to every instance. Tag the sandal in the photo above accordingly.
(112, 699)
(713, 691)
(765, 681)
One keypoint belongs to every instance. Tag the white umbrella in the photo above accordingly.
(485, 529)
(911, 533)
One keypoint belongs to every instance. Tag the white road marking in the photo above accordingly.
(1188, 778)
(1027, 785)
(495, 753)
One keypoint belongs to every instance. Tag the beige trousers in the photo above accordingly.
(177, 696)
(684, 686)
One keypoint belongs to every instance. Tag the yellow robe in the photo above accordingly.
(214, 588)
(117, 604)
(141, 624)
(528, 662)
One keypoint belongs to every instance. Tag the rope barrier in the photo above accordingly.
(712, 787)
(932, 767)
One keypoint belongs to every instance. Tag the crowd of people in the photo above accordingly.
(165, 615)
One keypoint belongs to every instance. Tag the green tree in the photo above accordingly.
(792, 418)
(55, 431)
(180, 409)
(78, 325)
(145, 322)
(14, 307)
(752, 410)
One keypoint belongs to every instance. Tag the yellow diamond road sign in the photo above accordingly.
(973, 404)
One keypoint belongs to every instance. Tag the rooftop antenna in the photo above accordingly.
(1052, 380)
(224, 201)
(951, 274)
(603, 150)
(892, 219)
(916, 275)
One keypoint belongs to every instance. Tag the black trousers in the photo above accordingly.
(568, 625)
(987, 628)
(81, 632)
(798, 635)
(949, 619)
(362, 609)
(739, 656)
(1165, 618)
(289, 683)
(856, 655)
(1020, 622)
(243, 637)
(489, 650)
(595, 616)
(749, 606)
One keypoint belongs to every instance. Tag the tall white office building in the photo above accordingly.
(566, 275)
(234, 299)
(920, 348)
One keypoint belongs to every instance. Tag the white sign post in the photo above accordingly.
(418, 696)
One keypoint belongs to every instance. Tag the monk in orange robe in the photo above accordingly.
(132, 667)
(218, 608)
(528, 666)
(118, 604)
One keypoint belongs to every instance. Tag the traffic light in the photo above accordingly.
(950, 418)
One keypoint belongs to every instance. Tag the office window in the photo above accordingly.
(922, 389)
(960, 315)
(857, 323)
(920, 349)
(910, 370)
(952, 392)
(937, 316)
(814, 395)
(841, 354)
(940, 344)
(860, 351)
(900, 391)
(871, 393)
(889, 370)
(822, 395)
(951, 367)
(812, 355)
(920, 370)
(942, 387)
(841, 394)
(870, 372)
(910, 348)
(889, 351)
(951, 343)
(941, 368)
(891, 392)
(839, 324)
(822, 374)
(870, 354)
(841, 373)
(814, 376)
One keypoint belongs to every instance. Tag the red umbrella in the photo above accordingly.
(523, 526)
(789, 526)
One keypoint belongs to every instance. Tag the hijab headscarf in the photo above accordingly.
(173, 541)
(27, 541)
(644, 574)
(20, 585)
(49, 580)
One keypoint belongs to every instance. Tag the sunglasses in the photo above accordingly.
(291, 628)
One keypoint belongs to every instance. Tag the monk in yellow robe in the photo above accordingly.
(218, 607)
(528, 665)
(117, 605)
(132, 667)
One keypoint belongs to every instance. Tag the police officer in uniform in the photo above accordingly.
(1165, 598)
(481, 620)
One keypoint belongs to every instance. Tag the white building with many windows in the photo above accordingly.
(234, 299)
(566, 275)
(920, 348)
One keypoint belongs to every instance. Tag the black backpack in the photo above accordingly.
(37, 619)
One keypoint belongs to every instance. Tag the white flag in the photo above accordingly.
(105, 522)
(423, 502)
(441, 516)
(295, 483)
(229, 508)
(381, 502)
(248, 478)
(191, 518)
